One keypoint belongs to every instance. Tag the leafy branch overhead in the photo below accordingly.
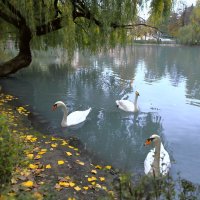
(84, 23)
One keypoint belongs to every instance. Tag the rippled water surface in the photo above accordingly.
(167, 78)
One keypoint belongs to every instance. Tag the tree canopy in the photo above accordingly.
(81, 23)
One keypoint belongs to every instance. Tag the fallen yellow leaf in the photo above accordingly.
(98, 185)
(80, 162)
(48, 166)
(30, 155)
(61, 162)
(41, 152)
(68, 153)
(108, 167)
(27, 184)
(94, 171)
(105, 188)
(71, 184)
(98, 167)
(33, 139)
(54, 145)
(32, 166)
(85, 187)
(45, 150)
(77, 188)
(63, 184)
(102, 178)
(92, 179)
(93, 183)
(64, 143)
(38, 157)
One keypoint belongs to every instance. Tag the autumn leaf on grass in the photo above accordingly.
(48, 166)
(32, 166)
(53, 138)
(85, 187)
(90, 179)
(25, 172)
(98, 167)
(98, 185)
(64, 143)
(63, 184)
(71, 198)
(45, 150)
(79, 162)
(71, 184)
(28, 184)
(93, 183)
(30, 155)
(33, 139)
(37, 157)
(61, 162)
(102, 178)
(69, 153)
(104, 188)
(94, 171)
(77, 188)
(41, 152)
(108, 167)
(54, 145)
(71, 147)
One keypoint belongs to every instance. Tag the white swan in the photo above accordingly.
(157, 161)
(127, 105)
(73, 118)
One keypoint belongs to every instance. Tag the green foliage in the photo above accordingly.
(145, 187)
(10, 150)
(95, 31)
(190, 34)
(159, 10)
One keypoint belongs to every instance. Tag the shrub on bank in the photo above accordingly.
(151, 188)
(10, 152)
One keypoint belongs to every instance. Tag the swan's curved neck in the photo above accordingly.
(156, 162)
(135, 100)
(64, 109)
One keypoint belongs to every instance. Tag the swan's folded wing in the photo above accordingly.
(125, 105)
(77, 117)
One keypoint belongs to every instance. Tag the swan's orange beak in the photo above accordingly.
(147, 142)
(54, 107)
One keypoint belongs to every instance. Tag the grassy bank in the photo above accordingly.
(34, 166)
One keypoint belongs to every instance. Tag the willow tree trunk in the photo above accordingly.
(23, 59)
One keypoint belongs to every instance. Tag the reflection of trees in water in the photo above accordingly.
(176, 62)
(157, 61)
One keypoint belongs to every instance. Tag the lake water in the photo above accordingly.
(167, 78)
